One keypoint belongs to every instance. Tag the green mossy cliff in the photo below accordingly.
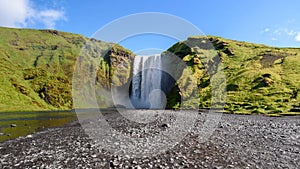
(37, 67)
(259, 79)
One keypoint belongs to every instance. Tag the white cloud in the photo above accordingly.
(49, 17)
(284, 31)
(14, 13)
(21, 13)
(265, 30)
(280, 33)
(277, 32)
(297, 38)
(274, 39)
(290, 32)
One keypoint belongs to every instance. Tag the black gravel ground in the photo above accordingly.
(237, 141)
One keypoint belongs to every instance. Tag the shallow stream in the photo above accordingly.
(16, 124)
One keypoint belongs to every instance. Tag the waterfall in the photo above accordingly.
(146, 84)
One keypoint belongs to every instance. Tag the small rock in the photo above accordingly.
(165, 125)
(13, 125)
(218, 167)
(29, 136)
(228, 124)
(115, 163)
(1, 134)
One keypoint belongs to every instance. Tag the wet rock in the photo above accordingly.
(13, 125)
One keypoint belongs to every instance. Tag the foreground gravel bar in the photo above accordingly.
(238, 141)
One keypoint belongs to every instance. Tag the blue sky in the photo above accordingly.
(275, 23)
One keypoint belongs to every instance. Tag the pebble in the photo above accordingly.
(165, 125)
(244, 141)
(13, 125)
(29, 136)
(217, 167)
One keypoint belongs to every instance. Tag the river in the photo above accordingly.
(16, 124)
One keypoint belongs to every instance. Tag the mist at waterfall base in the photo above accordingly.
(150, 84)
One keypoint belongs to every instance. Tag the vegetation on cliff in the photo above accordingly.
(259, 79)
(37, 67)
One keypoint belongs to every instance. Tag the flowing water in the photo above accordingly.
(16, 124)
(146, 90)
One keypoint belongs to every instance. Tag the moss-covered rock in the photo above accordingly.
(121, 61)
(37, 67)
(259, 78)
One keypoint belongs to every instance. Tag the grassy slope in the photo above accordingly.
(37, 67)
(259, 78)
(40, 57)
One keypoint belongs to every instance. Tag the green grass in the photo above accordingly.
(49, 51)
(259, 79)
(37, 68)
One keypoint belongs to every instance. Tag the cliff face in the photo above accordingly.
(37, 67)
(259, 78)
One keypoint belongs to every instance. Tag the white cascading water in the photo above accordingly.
(146, 83)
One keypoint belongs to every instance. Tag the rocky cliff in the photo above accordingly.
(259, 78)
(37, 67)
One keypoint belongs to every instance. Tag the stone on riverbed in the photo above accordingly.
(29, 136)
(13, 125)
